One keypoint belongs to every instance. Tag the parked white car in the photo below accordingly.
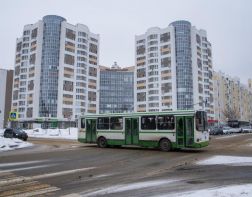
(235, 130)
(246, 129)
(226, 129)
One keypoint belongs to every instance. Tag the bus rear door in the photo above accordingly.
(91, 131)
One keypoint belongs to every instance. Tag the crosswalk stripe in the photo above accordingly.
(26, 168)
(41, 176)
(20, 163)
(37, 192)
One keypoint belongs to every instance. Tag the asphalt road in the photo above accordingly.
(68, 168)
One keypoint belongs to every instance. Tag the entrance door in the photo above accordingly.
(91, 131)
(184, 130)
(180, 130)
(189, 131)
(131, 131)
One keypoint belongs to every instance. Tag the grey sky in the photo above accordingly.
(227, 22)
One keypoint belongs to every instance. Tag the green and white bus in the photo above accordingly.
(165, 130)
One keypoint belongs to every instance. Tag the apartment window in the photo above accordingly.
(19, 46)
(92, 71)
(27, 32)
(93, 39)
(140, 41)
(165, 62)
(34, 33)
(141, 72)
(69, 59)
(93, 48)
(32, 58)
(140, 50)
(69, 46)
(152, 49)
(141, 96)
(198, 40)
(165, 37)
(31, 85)
(70, 34)
(166, 87)
(79, 52)
(68, 86)
(82, 34)
(82, 40)
(153, 36)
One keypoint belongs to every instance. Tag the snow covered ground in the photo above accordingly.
(228, 191)
(227, 160)
(71, 133)
(12, 144)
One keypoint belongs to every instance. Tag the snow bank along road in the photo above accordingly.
(67, 168)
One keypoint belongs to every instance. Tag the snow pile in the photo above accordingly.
(227, 160)
(12, 144)
(71, 133)
(126, 187)
(1, 132)
(229, 191)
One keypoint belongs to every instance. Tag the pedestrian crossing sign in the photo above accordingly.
(13, 116)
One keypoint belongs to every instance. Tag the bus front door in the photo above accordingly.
(189, 131)
(184, 130)
(91, 131)
(131, 131)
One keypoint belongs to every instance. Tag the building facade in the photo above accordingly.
(250, 83)
(232, 100)
(56, 67)
(173, 69)
(116, 89)
(6, 77)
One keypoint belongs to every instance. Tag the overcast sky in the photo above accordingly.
(228, 24)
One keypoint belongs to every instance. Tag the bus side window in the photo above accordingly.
(116, 123)
(103, 123)
(148, 122)
(83, 123)
(166, 122)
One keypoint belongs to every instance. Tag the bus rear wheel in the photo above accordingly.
(102, 142)
(165, 145)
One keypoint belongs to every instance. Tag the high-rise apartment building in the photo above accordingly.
(6, 77)
(116, 89)
(173, 69)
(250, 83)
(56, 70)
(231, 98)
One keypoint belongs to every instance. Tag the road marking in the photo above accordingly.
(26, 168)
(21, 163)
(38, 192)
(48, 175)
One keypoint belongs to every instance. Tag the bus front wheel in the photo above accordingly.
(165, 145)
(102, 142)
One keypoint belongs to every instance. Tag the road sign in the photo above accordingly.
(13, 116)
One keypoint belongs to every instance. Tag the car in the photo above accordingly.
(246, 129)
(15, 133)
(226, 129)
(216, 131)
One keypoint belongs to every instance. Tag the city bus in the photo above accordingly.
(164, 130)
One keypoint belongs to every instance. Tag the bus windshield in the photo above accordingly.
(201, 121)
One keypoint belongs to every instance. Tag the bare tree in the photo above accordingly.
(231, 113)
